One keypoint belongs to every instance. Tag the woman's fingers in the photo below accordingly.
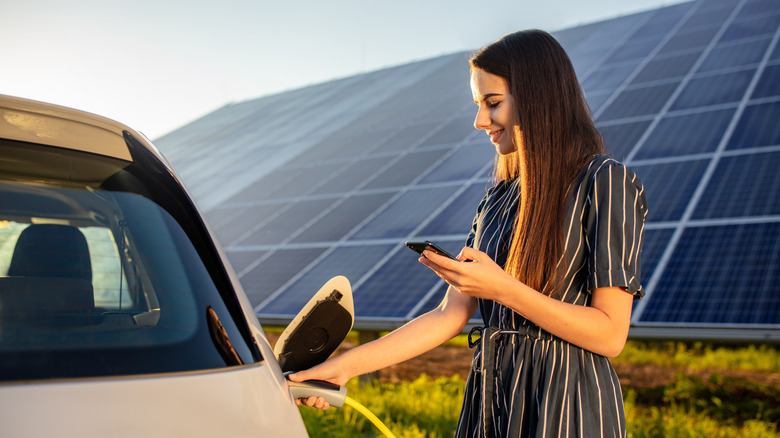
(314, 402)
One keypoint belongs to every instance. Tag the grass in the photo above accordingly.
(426, 407)
(688, 406)
(700, 355)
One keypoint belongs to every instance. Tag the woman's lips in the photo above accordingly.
(495, 135)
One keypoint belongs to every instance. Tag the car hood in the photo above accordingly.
(243, 401)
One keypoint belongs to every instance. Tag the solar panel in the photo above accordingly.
(768, 85)
(638, 101)
(742, 186)
(386, 294)
(695, 40)
(408, 137)
(715, 267)
(669, 187)
(312, 183)
(597, 100)
(715, 89)
(751, 27)
(607, 78)
(631, 52)
(456, 217)
(406, 213)
(352, 262)
(405, 169)
(452, 132)
(686, 134)
(735, 54)
(757, 126)
(243, 220)
(288, 220)
(241, 260)
(345, 180)
(461, 165)
(666, 67)
(775, 54)
(273, 269)
(621, 138)
(655, 241)
(342, 218)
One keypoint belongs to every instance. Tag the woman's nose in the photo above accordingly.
(482, 120)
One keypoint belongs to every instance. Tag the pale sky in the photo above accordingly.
(157, 65)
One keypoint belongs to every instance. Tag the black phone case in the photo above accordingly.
(419, 247)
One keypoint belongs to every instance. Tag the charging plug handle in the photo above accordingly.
(332, 393)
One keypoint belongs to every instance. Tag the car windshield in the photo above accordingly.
(105, 270)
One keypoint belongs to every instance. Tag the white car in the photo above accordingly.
(119, 314)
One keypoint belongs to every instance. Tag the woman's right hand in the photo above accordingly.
(327, 371)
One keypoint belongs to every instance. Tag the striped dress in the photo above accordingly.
(525, 381)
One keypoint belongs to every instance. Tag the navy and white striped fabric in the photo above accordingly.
(530, 383)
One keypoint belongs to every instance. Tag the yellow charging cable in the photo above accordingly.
(370, 415)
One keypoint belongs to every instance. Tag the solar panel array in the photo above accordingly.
(332, 179)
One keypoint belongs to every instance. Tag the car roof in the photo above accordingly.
(53, 125)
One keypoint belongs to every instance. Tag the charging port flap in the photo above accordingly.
(318, 329)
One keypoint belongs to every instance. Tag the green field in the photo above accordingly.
(697, 404)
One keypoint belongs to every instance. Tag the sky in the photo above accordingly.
(157, 65)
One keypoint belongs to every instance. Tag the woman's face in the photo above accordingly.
(496, 113)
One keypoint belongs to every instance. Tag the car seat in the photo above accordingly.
(49, 283)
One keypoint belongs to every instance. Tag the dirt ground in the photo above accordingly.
(448, 360)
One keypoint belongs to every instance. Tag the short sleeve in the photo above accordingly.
(614, 226)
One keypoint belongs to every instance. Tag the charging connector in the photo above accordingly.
(336, 396)
(332, 393)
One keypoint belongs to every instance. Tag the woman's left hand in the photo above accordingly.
(474, 274)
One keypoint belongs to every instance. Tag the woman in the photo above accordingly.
(553, 261)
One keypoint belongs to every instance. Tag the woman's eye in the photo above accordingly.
(493, 105)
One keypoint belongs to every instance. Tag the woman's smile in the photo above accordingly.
(495, 136)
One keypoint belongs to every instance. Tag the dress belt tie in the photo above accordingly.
(486, 367)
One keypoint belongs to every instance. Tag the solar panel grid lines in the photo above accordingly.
(287, 263)
(742, 185)
(349, 261)
(620, 89)
(444, 204)
(680, 134)
(680, 87)
(758, 127)
(742, 258)
(368, 91)
(768, 86)
(669, 186)
(743, 52)
(604, 55)
(367, 218)
(717, 88)
(670, 249)
(357, 283)
(665, 67)
(314, 188)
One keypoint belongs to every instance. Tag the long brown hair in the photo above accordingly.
(555, 138)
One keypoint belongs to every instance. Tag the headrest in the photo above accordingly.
(51, 250)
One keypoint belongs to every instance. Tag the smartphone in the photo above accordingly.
(419, 247)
